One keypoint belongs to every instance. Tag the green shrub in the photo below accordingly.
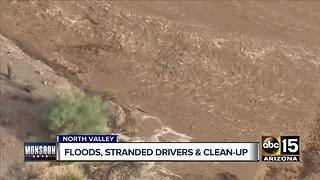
(77, 114)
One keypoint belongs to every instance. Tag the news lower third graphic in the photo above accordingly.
(106, 148)
(76, 148)
(160, 151)
(280, 148)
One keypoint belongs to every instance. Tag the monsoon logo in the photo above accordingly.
(39, 151)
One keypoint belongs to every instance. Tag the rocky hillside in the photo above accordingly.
(25, 98)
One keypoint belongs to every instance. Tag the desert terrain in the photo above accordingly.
(199, 70)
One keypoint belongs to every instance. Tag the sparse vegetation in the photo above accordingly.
(27, 171)
(46, 171)
(311, 155)
(28, 87)
(10, 71)
(109, 95)
(67, 173)
(77, 113)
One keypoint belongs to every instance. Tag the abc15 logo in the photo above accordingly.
(280, 145)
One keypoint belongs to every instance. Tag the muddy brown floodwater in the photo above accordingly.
(222, 70)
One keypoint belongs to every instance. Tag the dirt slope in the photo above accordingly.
(24, 103)
(224, 70)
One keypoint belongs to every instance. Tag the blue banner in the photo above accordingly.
(87, 138)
